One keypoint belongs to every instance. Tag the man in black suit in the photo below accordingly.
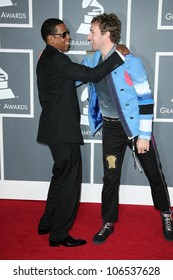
(59, 128)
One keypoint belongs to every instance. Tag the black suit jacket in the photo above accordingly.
(56, 75)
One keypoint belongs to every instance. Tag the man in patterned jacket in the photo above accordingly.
(122, 103)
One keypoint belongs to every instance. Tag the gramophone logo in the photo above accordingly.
(16, 83)
(84, 102)
(96, 9)
(5, 91)
(5, 3)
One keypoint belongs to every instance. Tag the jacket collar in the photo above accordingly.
(51, 48)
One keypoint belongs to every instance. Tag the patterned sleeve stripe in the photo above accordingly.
(146, 96)
(146, 109)
(142, 88)
(145, 125)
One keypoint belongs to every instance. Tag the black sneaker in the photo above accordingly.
(103, 233)
(167, 225)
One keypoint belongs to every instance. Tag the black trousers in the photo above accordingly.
(64, 190)
(115, 143)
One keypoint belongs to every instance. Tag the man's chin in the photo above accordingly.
(67, 49)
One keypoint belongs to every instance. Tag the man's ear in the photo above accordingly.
(107, 34)
(49, 39)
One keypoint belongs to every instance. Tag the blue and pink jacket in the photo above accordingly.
(131, 94)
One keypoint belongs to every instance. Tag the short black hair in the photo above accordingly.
(49, 27)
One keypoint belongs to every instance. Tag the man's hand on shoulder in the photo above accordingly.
(122, 49)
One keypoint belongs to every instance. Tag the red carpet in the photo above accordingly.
(137, 236)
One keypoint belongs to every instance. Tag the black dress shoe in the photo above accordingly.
(43, 231)
(69, 241)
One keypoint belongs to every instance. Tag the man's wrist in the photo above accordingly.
(121, 55)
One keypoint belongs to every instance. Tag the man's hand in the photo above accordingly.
(142, 146)
(122, 49)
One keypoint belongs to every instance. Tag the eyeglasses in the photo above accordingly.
(64, 34)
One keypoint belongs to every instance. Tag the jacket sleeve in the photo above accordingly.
(74, 71)
(145, 97)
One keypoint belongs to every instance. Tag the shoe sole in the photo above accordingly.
(57, 245)
(167, 239)
(98, 243)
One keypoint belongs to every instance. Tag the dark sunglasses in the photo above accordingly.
(64, 34)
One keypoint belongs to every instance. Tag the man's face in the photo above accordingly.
(60, 40)
(96, 38)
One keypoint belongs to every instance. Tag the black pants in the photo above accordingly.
(64, 190)
(115, 143)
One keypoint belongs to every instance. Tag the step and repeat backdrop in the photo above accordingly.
(25, 165)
